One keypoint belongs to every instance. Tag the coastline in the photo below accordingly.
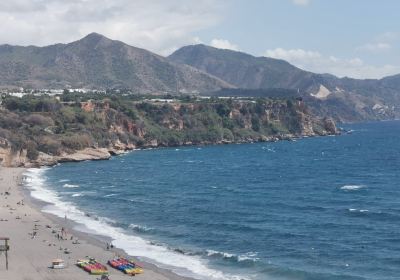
(20, 160)
(30, 258)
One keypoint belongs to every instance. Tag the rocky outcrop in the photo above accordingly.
(98, 132)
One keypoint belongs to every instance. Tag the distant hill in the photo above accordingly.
(345, 99)
(243, 70)
(98, 62)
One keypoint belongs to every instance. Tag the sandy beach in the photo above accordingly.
(31, 253)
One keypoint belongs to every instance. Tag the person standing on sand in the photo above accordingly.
(63, 232)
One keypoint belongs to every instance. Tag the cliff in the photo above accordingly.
(37, 131)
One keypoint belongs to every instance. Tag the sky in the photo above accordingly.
(354, 38)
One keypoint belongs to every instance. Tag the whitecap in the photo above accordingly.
(250, 256)
(352, 187)
(110, 195)
(358, 210)
(70, 186)
(140, 228)
(77, 194)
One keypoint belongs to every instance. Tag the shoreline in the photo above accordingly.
(34, 254)
(104, 153)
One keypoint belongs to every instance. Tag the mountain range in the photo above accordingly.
(98, 62)
(345, 99)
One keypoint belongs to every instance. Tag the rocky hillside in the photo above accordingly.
(345, 99)
(98, 62)
(38, 131)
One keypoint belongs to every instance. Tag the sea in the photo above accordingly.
(319, 208)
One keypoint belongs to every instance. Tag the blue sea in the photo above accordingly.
(318, 208)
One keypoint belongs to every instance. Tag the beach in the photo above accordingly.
(34, 241)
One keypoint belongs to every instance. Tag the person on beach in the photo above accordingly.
(63, 233)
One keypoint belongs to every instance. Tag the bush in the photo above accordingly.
(40, 120)
(32, 152)
(49, 146)
(76, 142)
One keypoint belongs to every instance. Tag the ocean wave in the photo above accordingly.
(77, 194)
(70, 186)
(110, 195)
(358, 210)
(108, 187)
(182, 264)
(352, 187)
(63, 180)
(139, 228)
(248, 257)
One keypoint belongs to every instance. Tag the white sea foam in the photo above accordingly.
(358, 210)
(250, 256)
(110, 195)
(77, 194)
(352, 187)
(63, 180)
(70, 186)
(192, 266)
(108, 187)
(140, 228)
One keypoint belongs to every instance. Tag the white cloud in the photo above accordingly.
(223, 44)
(382, 42)
(316, 62)
(301, 2)
(374, 47)
(157, 25)
(388, 36)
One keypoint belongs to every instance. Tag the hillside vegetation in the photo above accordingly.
(45, 130)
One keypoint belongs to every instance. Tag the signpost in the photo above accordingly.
(5, 248)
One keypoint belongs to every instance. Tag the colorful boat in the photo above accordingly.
(126, 266)
(92, 266)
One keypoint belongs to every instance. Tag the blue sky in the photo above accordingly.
(356, 38)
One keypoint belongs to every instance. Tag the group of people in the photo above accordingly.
(62, 235)
(109, 246)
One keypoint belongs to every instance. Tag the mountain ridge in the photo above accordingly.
(96, 61)
(346, 99)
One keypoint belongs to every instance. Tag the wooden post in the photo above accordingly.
(5, 248)
(6, 254)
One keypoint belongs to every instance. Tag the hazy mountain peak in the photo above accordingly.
(94, 39)
(96, 61)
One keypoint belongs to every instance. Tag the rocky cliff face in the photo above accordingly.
(101, 128)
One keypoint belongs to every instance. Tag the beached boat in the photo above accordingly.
(57, 264)
(126, 266)
(92, 266)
